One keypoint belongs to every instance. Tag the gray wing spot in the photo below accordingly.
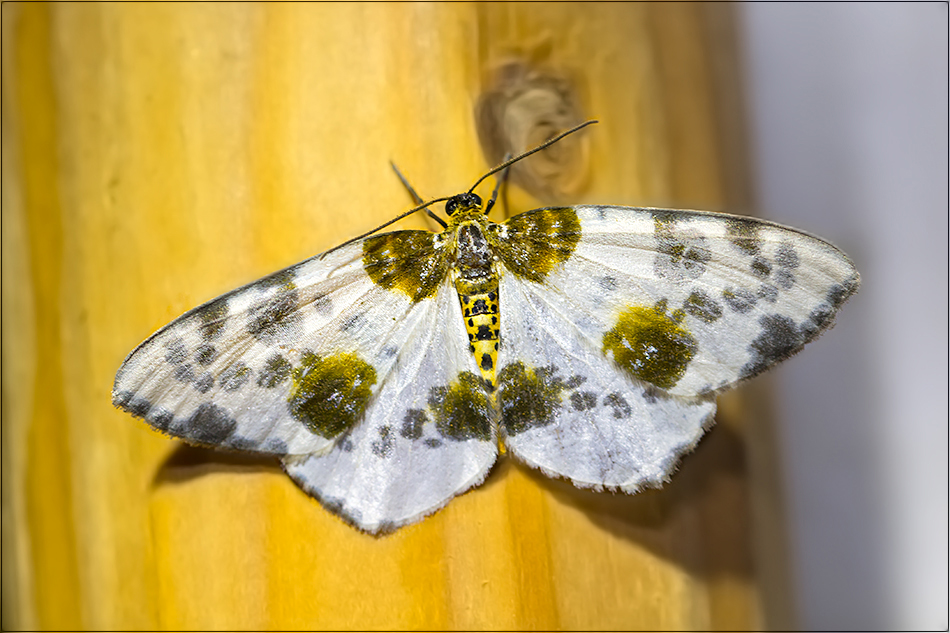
(204, 382)
(786, 257)
(205, 354)
(184, 373)
(242, 443)
(822, 316)
(761, 268)
(160, 418)
(784, 278)
(818, 320)
(277, 318)
(839, 293)
(235, 376)
(768, 292)
(175, 351)
(621, 408)
(787, 261)
(650, 394)
(212, 318)
(276, 446)
(607, 283)
(575, 381)
(779, 339)
(209, 424)
(682, 254)
(744, 236)
(139, 407)
(276, 369)
(583, 400)
(323, 305)
(739, 300)
(353, 323)
(411, 428)
(384, 446)
(702, 306)
(337, 506)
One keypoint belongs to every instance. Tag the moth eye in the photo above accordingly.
(463, 201)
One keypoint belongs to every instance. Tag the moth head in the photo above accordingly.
(463, 202)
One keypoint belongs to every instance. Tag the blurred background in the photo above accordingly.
(157, 155)
(848, 117)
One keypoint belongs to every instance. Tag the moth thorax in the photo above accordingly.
(473, 254)
(477, 287)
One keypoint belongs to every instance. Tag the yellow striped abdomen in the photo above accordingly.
(479, 300)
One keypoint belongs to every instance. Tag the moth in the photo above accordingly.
(589, 342)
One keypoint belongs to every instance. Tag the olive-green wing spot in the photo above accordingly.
(527, 397)
(536, 242)
(463, 409)
(412, 262)
(329, 394)
(651, 345)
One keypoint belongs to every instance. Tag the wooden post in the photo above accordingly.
(157, 155)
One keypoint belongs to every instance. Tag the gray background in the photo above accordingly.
(848, 107)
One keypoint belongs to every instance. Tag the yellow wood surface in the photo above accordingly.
(157, 155)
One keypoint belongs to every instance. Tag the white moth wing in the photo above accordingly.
(653, 312)
(223, 373)
(746, 293)
(568, 411)
(429, 433)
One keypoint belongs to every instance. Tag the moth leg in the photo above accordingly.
(416, 198)
(502, 181)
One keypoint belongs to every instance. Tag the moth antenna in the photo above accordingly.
(504, 165)
(540, 147)
(383, 225)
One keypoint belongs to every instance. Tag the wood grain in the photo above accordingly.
(157, 155)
